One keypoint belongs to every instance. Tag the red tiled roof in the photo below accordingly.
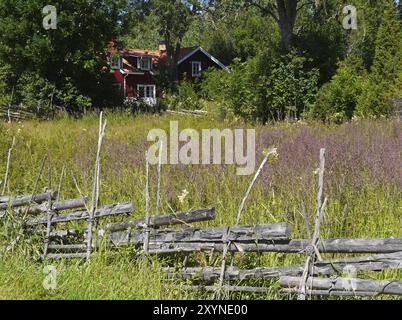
(153, 53)
(143, 52)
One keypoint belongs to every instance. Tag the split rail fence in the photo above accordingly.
(155, 235)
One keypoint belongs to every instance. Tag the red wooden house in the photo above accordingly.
(135, 69)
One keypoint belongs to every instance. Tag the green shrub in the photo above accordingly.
(337, 99)
(185, 98)
(263, 88)
(40, 96)
(385, 80)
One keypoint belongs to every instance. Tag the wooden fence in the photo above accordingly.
(155, 235)
(14, 113)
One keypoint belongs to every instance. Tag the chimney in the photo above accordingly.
(162, 46)
(113, 45)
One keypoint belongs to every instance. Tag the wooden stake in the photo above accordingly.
(8, 166)
(225, 249)
(218, 292)
(60, 183)
(9, 106)
(42, 166)
(314, 253)
(264, 161)
(48, 227)
(159, 179)
(96, 186)
(147, 218)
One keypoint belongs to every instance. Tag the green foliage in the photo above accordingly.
(5, 94)
(357, 72)
(337, 99)
(241, 38)
(143, 33)
(70, 58)
(185, 98)
(385, 79)
(36, 93)
(262, 88)
(322, 40)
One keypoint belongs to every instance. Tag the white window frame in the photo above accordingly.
(140, 63)
(193, 64)
(145, 86)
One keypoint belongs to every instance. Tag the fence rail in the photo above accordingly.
(15, 113)
(156, 235)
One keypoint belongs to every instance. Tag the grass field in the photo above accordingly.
(363, 182)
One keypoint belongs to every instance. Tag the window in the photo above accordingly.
(144, 63)
(146, 91)
(195, 68)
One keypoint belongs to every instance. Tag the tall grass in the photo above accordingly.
(363, 181)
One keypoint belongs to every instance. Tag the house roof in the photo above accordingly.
(141, 53)
(156, 55)
(200, 49)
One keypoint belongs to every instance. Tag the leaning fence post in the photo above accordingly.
(269, 153)
(217, 295)
(96, 186)
(159, 179)
(147, 218)
(8, 166)
(312, 250)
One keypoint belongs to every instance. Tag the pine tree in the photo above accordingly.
(385, 78)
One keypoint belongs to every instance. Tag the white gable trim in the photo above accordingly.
(204, 52)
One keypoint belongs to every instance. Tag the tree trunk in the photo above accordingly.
(173, 54)
(287, 10)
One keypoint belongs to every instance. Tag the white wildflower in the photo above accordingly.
(272, 153)
(183, 195)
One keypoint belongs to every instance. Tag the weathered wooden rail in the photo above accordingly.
(109, 210)
(368, 263)
(13, 202)
(237, 234)
(38, 204)
(330, 285)
(165, 220)
(57, 206)
(364, 245)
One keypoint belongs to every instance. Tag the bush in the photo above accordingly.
(138, 105)
(36, 94)
(5, 95)
(186, 97)
(263, 88)
(41, 97)
(337, 99)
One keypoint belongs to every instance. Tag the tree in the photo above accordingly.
(337, 99)
(284, 12)
(385, 80)
(72, 56)
(173, 20)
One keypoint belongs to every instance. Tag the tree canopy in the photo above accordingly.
(287, 57)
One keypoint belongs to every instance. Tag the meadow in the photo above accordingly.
(363, 181)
